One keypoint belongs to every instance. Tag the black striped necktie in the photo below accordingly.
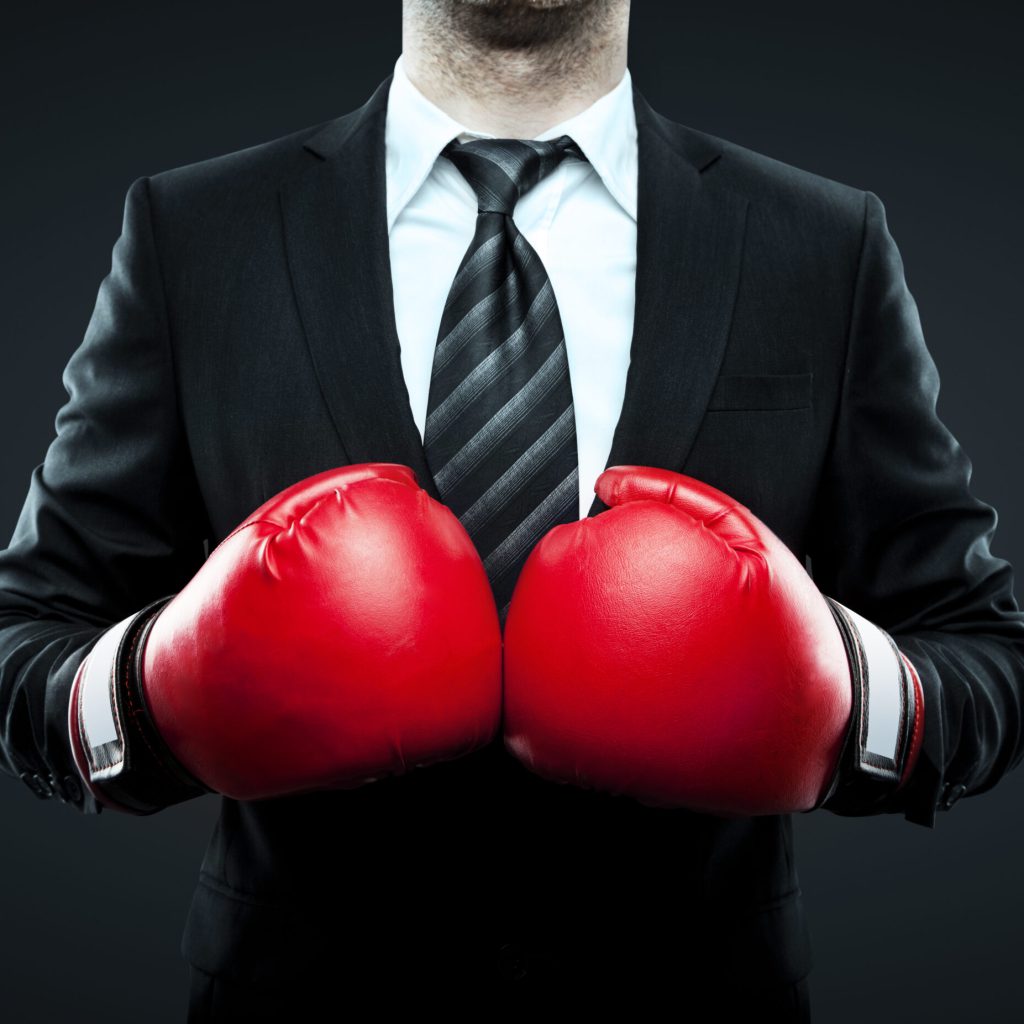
(500, 436)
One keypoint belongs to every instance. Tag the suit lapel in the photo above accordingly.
(689, 246)
(335, 216)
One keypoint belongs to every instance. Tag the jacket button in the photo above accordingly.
(38, 784)
(512, 961)
(70, 790)
(951, 794)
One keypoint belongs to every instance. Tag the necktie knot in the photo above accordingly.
(501, 171)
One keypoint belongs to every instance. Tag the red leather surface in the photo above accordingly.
(344, 632)
(917, 732)
(674, 650)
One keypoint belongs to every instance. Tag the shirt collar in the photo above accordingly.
(416, 130)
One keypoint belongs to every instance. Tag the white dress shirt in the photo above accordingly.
(581, 220)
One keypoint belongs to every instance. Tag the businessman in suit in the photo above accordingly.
(274, 313)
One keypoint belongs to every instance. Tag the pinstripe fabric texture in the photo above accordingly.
(500, 435)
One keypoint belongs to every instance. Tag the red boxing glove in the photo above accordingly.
(344, 631)
(674, 649)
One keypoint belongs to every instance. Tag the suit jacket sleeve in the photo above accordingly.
(899, 537)
(112, 520)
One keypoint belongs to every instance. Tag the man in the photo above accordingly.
(275, 313)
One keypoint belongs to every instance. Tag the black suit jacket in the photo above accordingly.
(245, 339)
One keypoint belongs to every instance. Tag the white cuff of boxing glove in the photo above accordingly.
(117, 749)
(99, 724)
(93, 717)
(886, 706)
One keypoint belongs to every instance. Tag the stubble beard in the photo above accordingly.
(537, 26)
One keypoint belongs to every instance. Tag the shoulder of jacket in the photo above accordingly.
(768, 182)
(242, 174)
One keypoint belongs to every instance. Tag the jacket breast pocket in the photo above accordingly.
(751, 392)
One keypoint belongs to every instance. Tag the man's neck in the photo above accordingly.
(514, 92)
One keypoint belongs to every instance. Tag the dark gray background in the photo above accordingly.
(919, 103)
